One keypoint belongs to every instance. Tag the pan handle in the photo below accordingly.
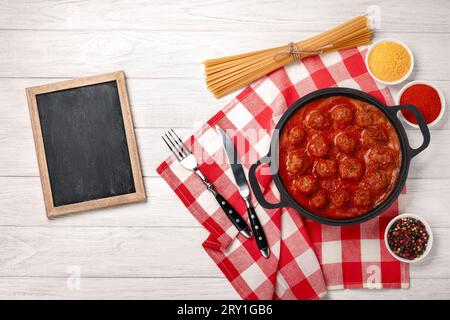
(423, 126)
(257, 189)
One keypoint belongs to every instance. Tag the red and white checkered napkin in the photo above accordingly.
(307, 258)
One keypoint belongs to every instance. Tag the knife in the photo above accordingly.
(244, 190)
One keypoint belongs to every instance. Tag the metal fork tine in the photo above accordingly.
(174, 153)
(185, 146)
(179, 144)
(182, 156)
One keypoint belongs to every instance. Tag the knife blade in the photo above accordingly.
(244, 191)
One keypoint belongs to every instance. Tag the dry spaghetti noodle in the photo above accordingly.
(224, 75)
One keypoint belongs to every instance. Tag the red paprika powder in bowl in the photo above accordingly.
(426, 97)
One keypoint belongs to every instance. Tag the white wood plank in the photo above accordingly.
(116, 288)
(155, 103)
(186, 288)
(150, 54)
(105, 251)
(18, 158)
(164, 209)
(425, 198)
(234, 15)
(140, 252)
(426, 289)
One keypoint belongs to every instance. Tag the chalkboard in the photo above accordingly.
(85, 143)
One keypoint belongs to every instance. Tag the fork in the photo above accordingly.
(185, 157)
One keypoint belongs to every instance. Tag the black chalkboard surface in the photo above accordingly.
(85, 143)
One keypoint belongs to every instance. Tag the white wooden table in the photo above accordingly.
(153, 249)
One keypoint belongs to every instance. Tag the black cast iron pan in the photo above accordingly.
(391, 113)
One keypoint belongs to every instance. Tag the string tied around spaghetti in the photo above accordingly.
(296, 54)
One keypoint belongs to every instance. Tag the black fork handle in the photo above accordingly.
(232, 214)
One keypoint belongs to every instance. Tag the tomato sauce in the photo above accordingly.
(339, 157)
(425, 98)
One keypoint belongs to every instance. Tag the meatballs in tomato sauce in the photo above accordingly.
(340, 198)
(345, 143)
(319, 200)
(318, 147)
(317, 120)
(377, 180)
(325, 168)
(339, 157)
(297, 136)
(373, 136)
(305, 184)
(342, 115)
(362, 198)
(351, 168)
(297, 162)
(364, 117)
(381, 157)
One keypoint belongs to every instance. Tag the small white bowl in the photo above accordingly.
(403, 45)
(427, 227)
(441, 96)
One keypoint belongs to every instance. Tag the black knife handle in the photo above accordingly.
(232, 214)
(258, 231)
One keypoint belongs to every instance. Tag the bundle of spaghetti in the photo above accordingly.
(224, 75)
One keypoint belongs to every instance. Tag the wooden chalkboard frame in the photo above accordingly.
(138, 195)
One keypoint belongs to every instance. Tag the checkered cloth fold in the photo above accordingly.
(307, 257)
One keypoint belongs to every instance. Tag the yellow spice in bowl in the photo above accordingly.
(389, 61)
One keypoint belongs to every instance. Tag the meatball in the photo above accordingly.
(364, 118)
(377, 180)
(317, 120)
(374, 135)
(297, 162)
(342, 115)
(345, 143)
(351, 168)
(381, 157)
(325, 168)
(331, 185)
(296, 136)
(340, 198)
(319, 200)
(318, 147)
(305, 184)
(362, 198)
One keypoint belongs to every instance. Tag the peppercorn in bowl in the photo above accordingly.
(408, 238)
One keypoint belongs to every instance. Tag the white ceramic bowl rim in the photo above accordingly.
(427, 227)
(430, 84)
(373, 45)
